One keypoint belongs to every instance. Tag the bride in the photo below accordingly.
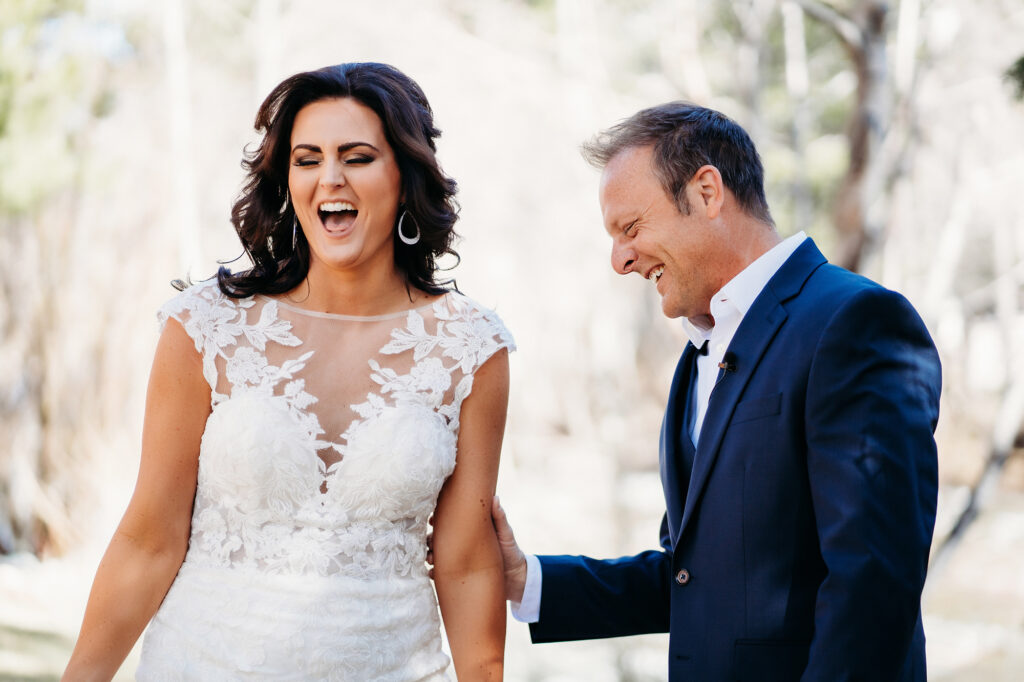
(306, 416)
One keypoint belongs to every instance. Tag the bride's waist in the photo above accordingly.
(203, 575)
(349, 552)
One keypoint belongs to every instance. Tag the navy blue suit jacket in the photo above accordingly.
(797, 549)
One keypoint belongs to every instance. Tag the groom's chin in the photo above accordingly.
(671, 309)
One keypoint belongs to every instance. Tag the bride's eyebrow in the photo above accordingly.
(342, 148)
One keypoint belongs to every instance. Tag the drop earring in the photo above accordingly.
(401, 235)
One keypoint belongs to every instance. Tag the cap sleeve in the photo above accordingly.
(494, 335)
(478, 333)
(201, 309)
(472, 335)
(186, 307)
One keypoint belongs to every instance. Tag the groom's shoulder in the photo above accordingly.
(808, 279)
(833, 280)
(833, 292)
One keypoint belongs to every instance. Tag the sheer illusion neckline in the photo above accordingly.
(353, 318)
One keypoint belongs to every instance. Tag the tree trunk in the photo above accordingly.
(859, 202)
(797, 80)
(753, 16)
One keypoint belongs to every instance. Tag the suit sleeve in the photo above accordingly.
(584, 598)
(872, 407)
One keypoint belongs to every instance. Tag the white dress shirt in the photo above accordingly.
(728, 307)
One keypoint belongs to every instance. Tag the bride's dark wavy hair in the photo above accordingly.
(263, 215)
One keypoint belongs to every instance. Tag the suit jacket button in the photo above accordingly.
(683, 577)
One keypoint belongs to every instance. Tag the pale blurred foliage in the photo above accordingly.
(119, 158)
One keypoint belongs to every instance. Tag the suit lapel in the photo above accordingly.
(755, 333)
(671, 426)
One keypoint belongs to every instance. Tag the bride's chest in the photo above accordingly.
(259, 457)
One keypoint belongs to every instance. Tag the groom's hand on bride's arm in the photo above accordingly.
(513, 558)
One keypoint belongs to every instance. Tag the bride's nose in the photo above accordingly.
(332, 174)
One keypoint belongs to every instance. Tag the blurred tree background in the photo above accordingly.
(892, 132)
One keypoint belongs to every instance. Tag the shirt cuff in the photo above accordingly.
(528, 610)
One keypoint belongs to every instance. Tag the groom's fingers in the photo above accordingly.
(511, 556)
(506, 538)
(501, 525)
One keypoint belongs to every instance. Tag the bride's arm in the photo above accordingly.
(467, 568)
(149, 544)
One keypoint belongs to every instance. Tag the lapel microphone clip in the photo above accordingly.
(728, 362)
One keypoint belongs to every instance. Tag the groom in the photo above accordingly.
(797, 455)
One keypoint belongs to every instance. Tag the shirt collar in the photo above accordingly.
(739, 292)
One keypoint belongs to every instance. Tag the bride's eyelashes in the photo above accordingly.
(359, 160)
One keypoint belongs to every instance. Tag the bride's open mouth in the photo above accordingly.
(337, 217)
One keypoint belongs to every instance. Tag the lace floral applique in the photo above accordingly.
(466, 333)
(217, 323)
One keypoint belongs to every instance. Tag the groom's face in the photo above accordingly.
(654, 239)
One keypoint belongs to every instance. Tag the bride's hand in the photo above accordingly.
(512, 557)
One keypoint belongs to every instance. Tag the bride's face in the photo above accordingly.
(345, 185)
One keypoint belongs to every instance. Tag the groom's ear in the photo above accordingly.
(708, 191)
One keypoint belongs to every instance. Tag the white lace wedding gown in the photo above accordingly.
(329, 440)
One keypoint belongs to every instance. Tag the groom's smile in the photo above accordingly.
(652, 237)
